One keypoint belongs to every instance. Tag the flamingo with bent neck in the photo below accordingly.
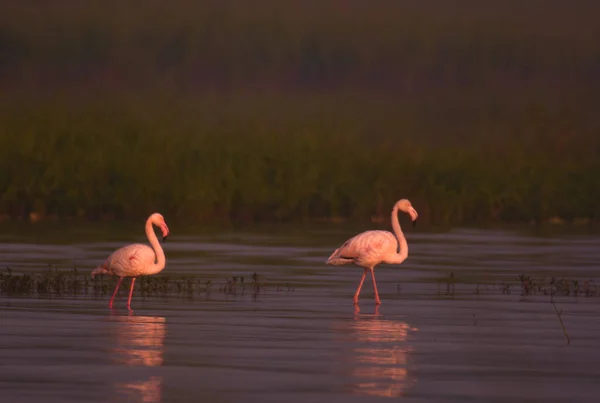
(136, 259)
(370, 248)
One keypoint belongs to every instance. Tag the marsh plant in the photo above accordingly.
(67, 283)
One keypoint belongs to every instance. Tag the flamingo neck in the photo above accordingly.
(399, 257)
(158, 251)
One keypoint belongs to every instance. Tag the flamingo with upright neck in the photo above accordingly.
(370, 248)
(136, 259)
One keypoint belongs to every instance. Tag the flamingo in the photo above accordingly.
(370, 248)
(136, 259)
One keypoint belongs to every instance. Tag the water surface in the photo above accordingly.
(306, 342)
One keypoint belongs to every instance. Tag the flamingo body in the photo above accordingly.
(130, 261)
(136, 259)
(370, 248)
(367, 249)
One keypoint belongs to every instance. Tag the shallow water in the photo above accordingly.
(305, 342)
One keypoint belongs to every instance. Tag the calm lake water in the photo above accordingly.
(300, 339)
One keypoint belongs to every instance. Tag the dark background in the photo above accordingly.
(265, 110)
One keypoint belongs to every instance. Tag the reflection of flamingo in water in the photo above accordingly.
(381, 366)
(136, 259)
(378, 360)
(370, 248)
(149, 391)
(139, 342)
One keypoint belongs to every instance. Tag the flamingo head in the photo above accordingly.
(406, 206)
(158, 220)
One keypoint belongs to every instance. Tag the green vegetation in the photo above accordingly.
(280, 110)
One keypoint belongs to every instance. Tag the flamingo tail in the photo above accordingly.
(337, 260)
(99, 270)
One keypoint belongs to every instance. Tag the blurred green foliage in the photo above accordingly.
(276, 110)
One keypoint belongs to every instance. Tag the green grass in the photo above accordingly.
(219, 110)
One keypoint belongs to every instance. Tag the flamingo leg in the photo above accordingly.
(110, 303)
(130, 293)
(377, 300)
(362, 280)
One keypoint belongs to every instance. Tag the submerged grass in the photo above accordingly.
(65, 283)
(70, 283)
(300, 110)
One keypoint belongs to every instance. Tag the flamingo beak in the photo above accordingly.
(165, 231)
(413, 216)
